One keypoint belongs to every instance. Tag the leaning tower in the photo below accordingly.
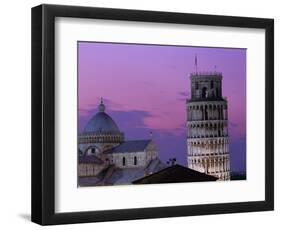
(207, 126)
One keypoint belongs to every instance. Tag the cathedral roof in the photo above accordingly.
(101, 122)
(130, 146)
(87, 159)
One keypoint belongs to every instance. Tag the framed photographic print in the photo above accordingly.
(142, 114)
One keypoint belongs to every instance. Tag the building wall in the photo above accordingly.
(129, 160)
(132, 159)
(89, 169)
(210, 156)
(121, 160)
(95, 148)
(208, 86)
(207, 127)
(207, 110)
(98, 142)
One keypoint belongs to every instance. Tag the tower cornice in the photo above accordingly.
(206, 74)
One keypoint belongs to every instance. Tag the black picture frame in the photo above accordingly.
(43, 114)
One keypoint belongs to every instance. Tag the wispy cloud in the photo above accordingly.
(184, 93)
(91, 108)
(233, 125)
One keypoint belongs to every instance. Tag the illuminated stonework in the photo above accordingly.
(207, 126)
(103, 146)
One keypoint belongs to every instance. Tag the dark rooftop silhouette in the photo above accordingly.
(175, 174)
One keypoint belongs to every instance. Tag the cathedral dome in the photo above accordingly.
(101, 122)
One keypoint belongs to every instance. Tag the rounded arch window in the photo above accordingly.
(217, 92)
(204, 92)
(93, 150)
(135, 160)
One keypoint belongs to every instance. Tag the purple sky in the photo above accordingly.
(145, 87)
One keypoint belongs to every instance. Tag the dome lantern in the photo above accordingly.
(101, 122)
(101, 106)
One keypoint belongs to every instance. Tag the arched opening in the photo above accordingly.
(217, 92)
(206, 114)
(124, 161)
(212, 84)
(135, 160)
(215, 129)
(90, 150)
(93, 150)
(204, 92)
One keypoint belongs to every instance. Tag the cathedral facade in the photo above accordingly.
(207, 126)
(104, 155)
